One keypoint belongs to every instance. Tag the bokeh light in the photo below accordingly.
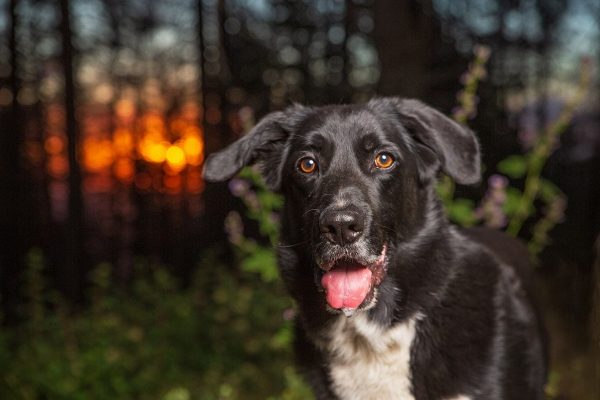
(175, 158)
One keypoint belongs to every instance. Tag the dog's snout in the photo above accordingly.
(342, 226)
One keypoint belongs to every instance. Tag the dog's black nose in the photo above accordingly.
(342, 226)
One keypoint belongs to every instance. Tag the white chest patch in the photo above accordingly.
(369, 362)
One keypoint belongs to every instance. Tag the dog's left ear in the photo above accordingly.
(263, 144)
(455, 148)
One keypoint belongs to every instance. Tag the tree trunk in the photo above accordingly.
(202, 65)
(216, 197)
(595, 322)
(403, 35)
(71, 273)
(11, 240)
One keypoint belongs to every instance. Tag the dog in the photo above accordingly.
(393, 301)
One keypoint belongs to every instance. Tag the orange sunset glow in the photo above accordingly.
(129, 144)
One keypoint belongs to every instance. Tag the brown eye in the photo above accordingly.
(384, 160)
(307, 165)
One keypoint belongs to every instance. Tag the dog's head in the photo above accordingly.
(357, 182)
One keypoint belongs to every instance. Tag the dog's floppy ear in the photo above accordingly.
(455, 147)
(264, 144)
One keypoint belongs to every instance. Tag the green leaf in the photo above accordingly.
(263, 262)
(548, 191)
(445, 189)
(513, 197)
(282, 338)
(513, 200)
(270, 200)
(514, 166)
(461, 212)
(178, 393)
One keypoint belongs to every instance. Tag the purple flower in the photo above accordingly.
(239, 187)
(497, 181)
(482, 52)
(491, 208)
(289, 314)
(234, 227)
(527, 137)
(251, 200)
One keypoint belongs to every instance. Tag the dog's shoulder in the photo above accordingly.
(507, 259)
(491, 251)
(511, 253)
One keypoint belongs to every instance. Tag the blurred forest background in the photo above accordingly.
(123, 275)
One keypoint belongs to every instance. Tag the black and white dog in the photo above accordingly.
(394, 302)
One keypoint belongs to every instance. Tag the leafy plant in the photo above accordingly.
(505, 205)
(224, 336)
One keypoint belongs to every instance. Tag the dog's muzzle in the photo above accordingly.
(349, 282)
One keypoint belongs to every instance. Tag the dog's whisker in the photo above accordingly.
(308, 211)
(283, 246)
(387, 228)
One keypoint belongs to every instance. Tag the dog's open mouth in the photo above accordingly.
(348, 282)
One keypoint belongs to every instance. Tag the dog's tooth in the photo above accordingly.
(348, 312)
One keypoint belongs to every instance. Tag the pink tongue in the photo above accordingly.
(346, 285)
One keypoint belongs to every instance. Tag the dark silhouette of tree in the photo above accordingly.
(11, 240)
(403, 33)
(214, 75)
(201, 62)
(73, 269)
(414, 60)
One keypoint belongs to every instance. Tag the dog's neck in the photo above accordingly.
(417, 267)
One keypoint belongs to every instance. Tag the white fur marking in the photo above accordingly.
(459, 397)
(370, 362)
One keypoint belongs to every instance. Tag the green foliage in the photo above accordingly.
(260, 260)
(264, 207)
(513, 196)
(510, 204)
(548, 191)
(514, 166)
(222, 337)
(462, 211)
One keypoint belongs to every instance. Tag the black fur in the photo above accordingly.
(479, 335)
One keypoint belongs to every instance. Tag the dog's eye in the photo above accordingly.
(384, 160)
(307, 165)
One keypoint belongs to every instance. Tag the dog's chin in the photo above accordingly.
(349, 284)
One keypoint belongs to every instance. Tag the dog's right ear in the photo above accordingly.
(264, 143)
